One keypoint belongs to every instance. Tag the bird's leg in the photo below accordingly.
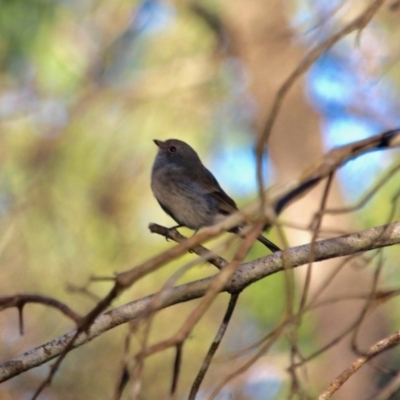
(175, 227)
(170, 229)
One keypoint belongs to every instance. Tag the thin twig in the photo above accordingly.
(378, 348)
(214, 347)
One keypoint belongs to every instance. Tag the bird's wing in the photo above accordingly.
(225, 203)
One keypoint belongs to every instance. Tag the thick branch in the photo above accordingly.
(248, 273)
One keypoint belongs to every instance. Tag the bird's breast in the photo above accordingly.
(183, 199)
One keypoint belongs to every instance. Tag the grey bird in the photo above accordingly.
(188, 192)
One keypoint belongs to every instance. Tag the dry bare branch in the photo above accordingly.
(378, 348)
(247, 274)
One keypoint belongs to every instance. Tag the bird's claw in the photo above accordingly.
(167, 236)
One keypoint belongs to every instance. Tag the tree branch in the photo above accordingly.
(378, 348)
(247, 274)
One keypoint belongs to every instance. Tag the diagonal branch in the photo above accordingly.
(357, 24)
(378, 348)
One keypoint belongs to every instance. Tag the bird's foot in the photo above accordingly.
(167, 237)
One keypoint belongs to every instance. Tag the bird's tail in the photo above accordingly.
(267, 243)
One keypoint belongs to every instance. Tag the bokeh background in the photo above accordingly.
(85, 86)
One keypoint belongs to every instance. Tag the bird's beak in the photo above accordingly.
(159, 143)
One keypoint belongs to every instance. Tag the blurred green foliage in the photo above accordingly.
(82, 97)
(20, 25)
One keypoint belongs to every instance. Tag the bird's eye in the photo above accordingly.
(172, 149)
